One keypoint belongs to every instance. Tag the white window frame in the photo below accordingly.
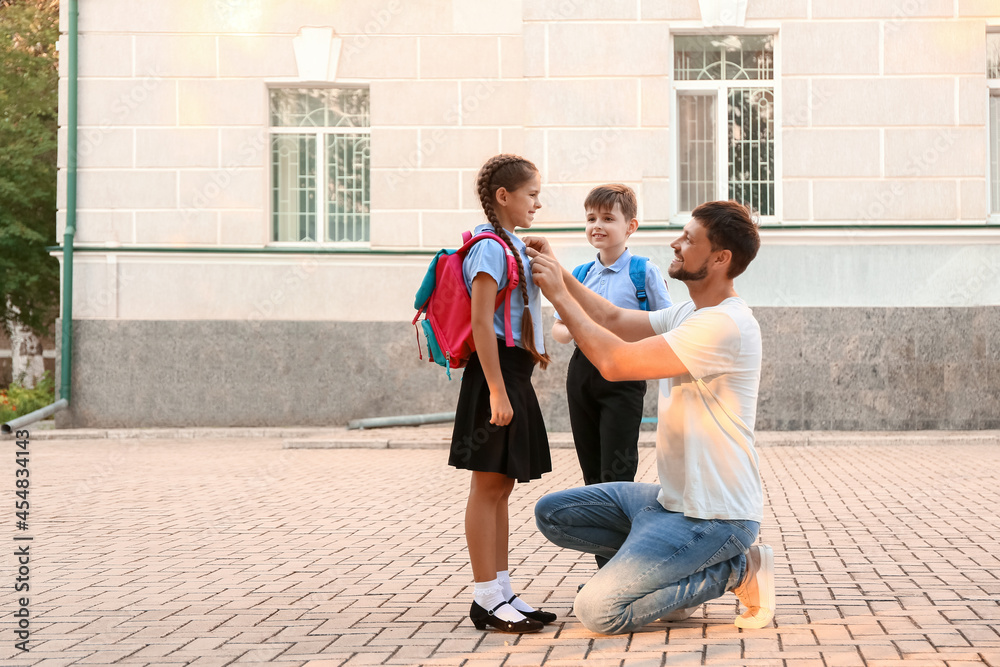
(677, 216)
(993, 90)
(323, 175)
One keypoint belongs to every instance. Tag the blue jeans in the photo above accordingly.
(660, 560)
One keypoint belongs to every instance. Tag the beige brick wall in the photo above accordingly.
(881, 111)
(609, 49)
(845, 153)
(380, 57)
(176, 55)
(110, 56)
(906, 130)
(459, 57)
(927, 153)
(582, 102)
(256, 56)
(176, 147)
(778, 9)
(244, 228)
(945, 47)
(898, 10)
(392, 229)
(869, 200)
(164, 227)
(831, 47)
(670, 9)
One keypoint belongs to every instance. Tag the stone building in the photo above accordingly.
(262, 184)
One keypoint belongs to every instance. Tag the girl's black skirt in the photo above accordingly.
(520, 449)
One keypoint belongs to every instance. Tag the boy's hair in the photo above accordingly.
(604, 198)
(730, 225)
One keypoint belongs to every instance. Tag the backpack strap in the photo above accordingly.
(581, 271)
(637, 272)
(469, 240)
(512, 276)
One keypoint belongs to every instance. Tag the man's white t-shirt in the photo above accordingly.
(705, 454)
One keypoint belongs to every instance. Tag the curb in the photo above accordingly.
(556, 441)
(439, 437)
(170, 433)
(764, 439)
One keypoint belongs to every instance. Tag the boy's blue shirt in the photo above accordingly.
(614, 284)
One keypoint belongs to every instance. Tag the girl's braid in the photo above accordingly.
(486, 194)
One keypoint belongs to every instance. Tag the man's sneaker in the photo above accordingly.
(756, 591)
(681, 614)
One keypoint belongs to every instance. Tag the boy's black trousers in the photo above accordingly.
(605, 418)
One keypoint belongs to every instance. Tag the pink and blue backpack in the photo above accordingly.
(447, 306)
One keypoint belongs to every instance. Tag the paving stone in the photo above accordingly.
(219, 550)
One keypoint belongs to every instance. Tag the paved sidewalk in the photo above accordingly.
(190, 551)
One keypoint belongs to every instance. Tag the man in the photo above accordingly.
(686, 540)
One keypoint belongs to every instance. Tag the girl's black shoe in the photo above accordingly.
(545, 617)
(481, 618)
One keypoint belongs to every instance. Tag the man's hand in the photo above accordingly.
(547, 273)
(539, 244)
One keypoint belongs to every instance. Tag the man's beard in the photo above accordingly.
(688, 276)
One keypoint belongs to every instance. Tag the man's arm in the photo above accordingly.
(645, 359)
(630, 325)
(648, 359)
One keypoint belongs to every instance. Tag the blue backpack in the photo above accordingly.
(636, 271)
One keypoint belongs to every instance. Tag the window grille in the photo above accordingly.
(320, 165)
(726, 122)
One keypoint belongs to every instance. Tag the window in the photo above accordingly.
(725, 119)
(320, 152)
(993, 79)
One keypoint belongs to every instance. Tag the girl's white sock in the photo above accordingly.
(488, 595)
(503, 578)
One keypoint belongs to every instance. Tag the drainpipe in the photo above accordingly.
(66, 362)
(67, 293)
(402, 420)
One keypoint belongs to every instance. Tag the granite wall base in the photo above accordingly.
(824, 369)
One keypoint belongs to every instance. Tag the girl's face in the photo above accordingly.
(516, 208)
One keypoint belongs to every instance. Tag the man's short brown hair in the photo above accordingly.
(604, 198)
(730, 225)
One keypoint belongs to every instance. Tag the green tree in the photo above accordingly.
(29, 97)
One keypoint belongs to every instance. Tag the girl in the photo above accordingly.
(499, 433)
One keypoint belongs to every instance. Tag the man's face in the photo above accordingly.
(692, 253)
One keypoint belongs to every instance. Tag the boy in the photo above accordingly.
(605, 416)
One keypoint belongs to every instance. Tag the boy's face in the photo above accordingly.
(608, 228)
